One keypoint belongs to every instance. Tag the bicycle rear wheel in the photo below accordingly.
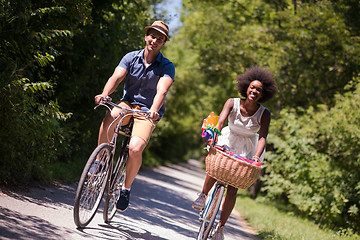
(92, 185)
(115, 186)
(208, 215)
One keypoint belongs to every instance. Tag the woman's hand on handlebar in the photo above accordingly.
(256, 159)
(211, 140)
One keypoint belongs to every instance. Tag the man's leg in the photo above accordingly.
(104, 129)
(136, 148)
(108, 119)
(140, 137)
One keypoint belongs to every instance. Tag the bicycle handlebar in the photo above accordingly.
(108, 101)
(126, 112)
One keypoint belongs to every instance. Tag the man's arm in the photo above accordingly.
(162, 88)
(113, 82)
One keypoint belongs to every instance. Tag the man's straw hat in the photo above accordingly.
(161, 27)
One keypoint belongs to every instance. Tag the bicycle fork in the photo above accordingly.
(211, 209)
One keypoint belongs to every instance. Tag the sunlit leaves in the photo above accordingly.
(319, 151)
(32, 133)
(45, 11)
(313, 51)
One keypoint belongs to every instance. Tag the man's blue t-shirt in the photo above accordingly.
(141, 82)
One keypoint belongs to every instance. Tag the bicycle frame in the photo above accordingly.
(93, 184)
(217, 184)
(211, 211)
(118, 129)
(125, 113)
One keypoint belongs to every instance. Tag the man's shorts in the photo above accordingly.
(142, 127)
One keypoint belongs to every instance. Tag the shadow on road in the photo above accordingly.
(160, 209)
(15, 225)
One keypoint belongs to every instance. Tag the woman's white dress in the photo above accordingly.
(241, 133)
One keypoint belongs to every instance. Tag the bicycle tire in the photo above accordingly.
(91, 186)
(208, 219)
(115, 186)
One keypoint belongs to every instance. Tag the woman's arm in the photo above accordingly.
(264, 129)
(228, 106)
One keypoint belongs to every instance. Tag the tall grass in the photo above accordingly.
(275, 221)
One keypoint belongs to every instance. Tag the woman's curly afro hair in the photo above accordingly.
(262, 75)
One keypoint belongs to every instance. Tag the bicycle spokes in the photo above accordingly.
(211, 210)
(92, 185)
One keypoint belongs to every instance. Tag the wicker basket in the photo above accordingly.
(230, 170)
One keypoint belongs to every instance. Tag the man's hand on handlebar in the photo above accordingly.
(98, 98)
(154, 115)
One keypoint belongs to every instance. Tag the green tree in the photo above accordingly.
(58, 54)
(31, 131)
(318, 53)
(317, 171)
(313, 51)
(114, 29)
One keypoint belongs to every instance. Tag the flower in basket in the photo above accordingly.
(209, 126)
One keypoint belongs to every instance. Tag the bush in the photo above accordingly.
(318, 171)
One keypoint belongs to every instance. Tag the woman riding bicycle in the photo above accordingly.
(246, 117)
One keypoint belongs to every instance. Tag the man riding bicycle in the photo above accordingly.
(148, 76)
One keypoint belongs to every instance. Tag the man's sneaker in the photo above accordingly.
(93, 168)
(199, 203)
(123, 201)
(219, 235)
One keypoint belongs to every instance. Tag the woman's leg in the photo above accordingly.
(228, 204)
(199, 203)
(209, 182)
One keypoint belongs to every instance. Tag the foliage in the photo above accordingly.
(313, 50)
(31, 131)
(305, 49)
(58, 54)
(273, 220)
(317, 171)
(318, 53)
(113, 29)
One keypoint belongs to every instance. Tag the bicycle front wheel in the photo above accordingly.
(208, 215)
(92, 185)
(115, 186)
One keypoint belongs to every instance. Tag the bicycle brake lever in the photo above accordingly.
(102, 104)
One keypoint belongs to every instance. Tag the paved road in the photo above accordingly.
(160, 209)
